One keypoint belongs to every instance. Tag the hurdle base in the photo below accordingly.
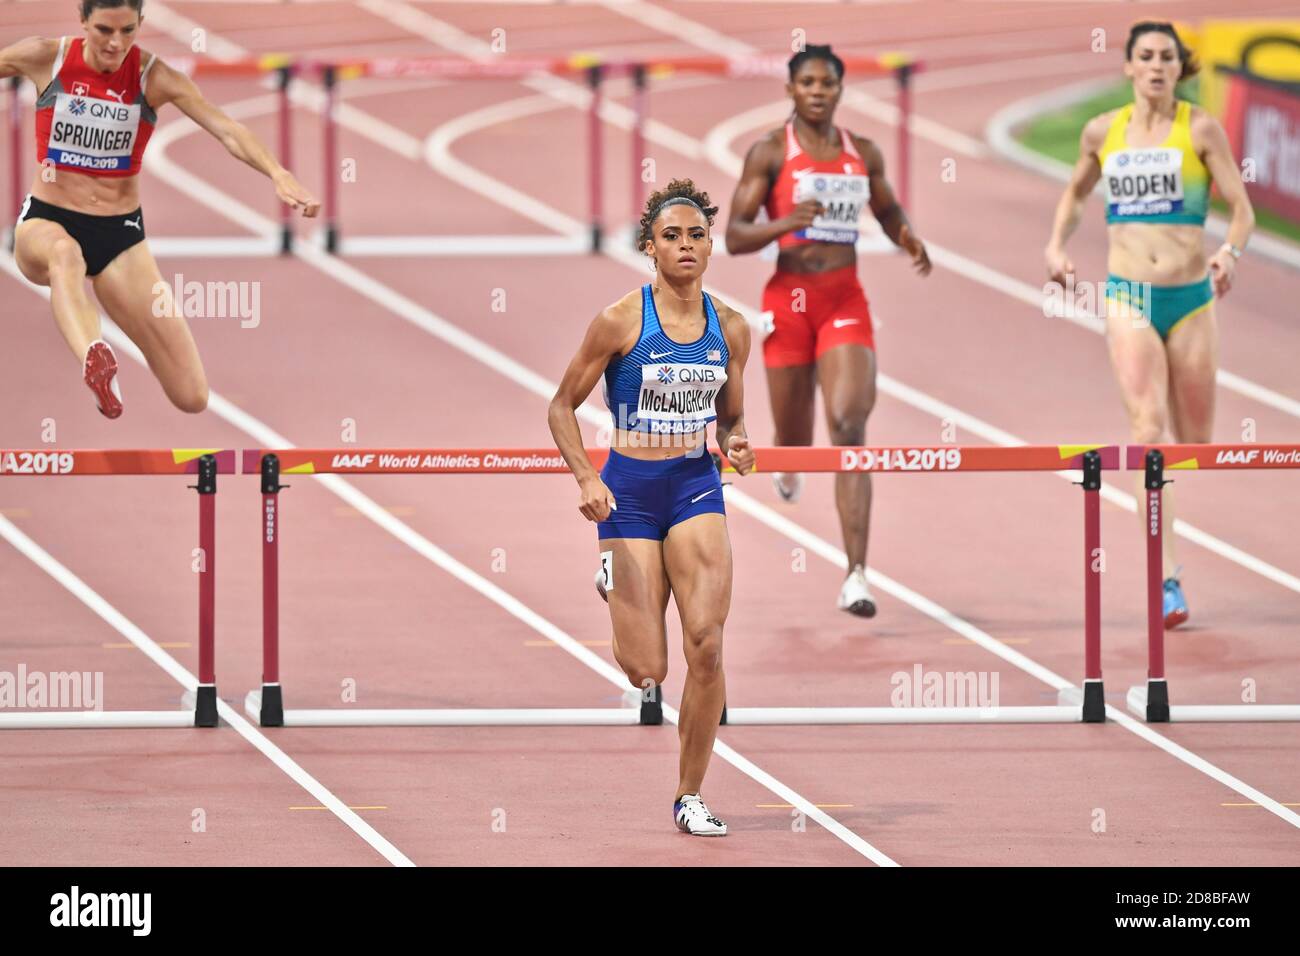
(1094, 702)
(652, 710)
(205, 706)
(270, 711)
(1214, 713)
(1150, 702)
(266, 706)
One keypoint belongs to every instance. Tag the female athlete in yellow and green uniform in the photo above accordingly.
(1156, 158)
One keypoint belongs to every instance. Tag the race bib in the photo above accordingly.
(1144, 182)
(842, 196)
(92, 133)
(678, 399)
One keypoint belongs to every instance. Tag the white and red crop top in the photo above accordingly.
(841, 185)
(92, 122)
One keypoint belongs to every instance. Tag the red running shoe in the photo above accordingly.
(101, 376)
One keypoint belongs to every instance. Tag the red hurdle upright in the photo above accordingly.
(206, 465)
(1152, 700)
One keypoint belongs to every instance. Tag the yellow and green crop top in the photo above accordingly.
(1165, 183)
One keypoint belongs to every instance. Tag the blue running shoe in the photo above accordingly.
(1175, 604)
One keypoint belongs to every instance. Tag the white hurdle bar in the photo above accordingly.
(94, 719)
(903, 715)
(1207, 713)
(458, 717)
(630, 715)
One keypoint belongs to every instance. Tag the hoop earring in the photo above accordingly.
(654, 264)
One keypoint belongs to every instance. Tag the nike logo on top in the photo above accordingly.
(654, 356)
(840, 323)
(705, 495)
(132, 222)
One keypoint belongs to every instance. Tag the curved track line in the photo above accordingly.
(732, 164)
(438, 154)
(332, 267)
(998, 134)
(543, 388)
(399, 305)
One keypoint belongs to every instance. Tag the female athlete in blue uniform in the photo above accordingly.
(1156, 158)
(673, 360)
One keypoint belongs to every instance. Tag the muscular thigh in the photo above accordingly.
(135, 296)
(637, 588)
(697, 556)
(1193, 355)
(792, 390)
(34, 241)
(848, 378)
(1137, 356)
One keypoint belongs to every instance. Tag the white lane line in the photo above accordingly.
(482, 352)
(716, 147)
(718, 151)
(997, 436)
(124, 626)
(441, 158)
(537, 384)
(452, 38)
(998, 133)
(718, 44)
(265, 436)
(437, 152)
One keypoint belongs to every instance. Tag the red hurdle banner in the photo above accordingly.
(1198, 457)
(267, 705)
(1152, 700)
(55, 461)
(514, 461)
(205, 464)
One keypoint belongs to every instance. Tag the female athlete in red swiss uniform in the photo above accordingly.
(815, 179)
(96, 109)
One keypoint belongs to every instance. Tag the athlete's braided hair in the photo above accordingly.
(1190, 66)
(816, 51)
(90, 6)
(676, 193)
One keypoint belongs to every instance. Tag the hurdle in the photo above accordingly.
(1151, 700)
(198, 708)
(266, 704)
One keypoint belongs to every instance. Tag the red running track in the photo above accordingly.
(359, 605)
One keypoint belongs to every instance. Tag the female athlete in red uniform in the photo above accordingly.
(814, 179)
(97, 106)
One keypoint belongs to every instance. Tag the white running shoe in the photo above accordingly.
(788, 486)
(855, 596)
(693, 817)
